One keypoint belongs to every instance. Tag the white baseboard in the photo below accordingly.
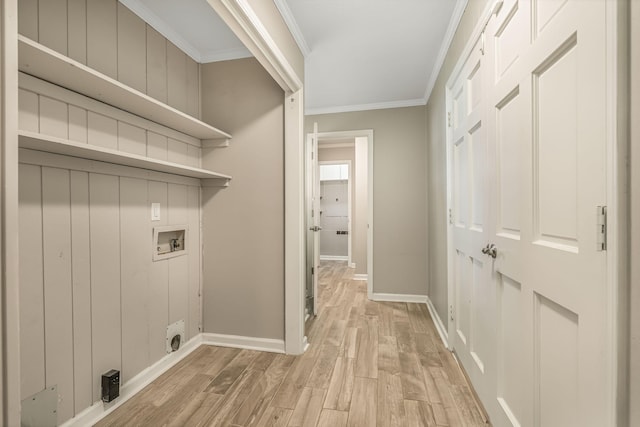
(99, 410)
(442, 331)
(250, 343)
(333, 258)
(360, 277)
(420, 299)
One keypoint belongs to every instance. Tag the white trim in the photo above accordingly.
(246, 24)
(99, 410)
(365, 107)
(238, 341)
(294, 223)
(437, 321)
(363, 277)
(334, 258)
(415, 299)
(291, 22)
(617, 141)
(456, 16)
(328, 145)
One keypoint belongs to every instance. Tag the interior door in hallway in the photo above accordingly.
(312, 175)
(471, 299)
(546, 124)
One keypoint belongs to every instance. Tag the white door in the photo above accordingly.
(545, 121)
(313, 222)
(473, 303)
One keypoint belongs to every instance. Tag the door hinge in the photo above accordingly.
(449, 119)
(601, 228)
(451, 313)
(312, 270)
(450, 216)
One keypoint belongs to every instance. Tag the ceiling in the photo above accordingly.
(359, 54)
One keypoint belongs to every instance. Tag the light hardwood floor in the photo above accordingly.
(369, 364)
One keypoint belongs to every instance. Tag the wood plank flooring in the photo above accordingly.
(369, 364)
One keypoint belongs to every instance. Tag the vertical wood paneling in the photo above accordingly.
(177, 152)
(135, 250)
(54, 118)
(28, 18)
(193, 203)
(193, 88)
(58, 300)
(156, 65)
(157, 146)
(77, 32)
(52, 24)
(81, 276)
(176, 77)
(102, 131)
(105, 275)
(102, 40)
(77, 124)
(32, 362)
(193, 155)
(132, 49)
(158, 282)
(132, 139)
(28, 111)
(179, 266)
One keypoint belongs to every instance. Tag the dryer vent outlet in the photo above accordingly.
(175, 336)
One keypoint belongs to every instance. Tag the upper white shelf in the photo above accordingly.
(51, 144)
(47, 64)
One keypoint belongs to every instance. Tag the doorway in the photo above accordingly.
(360, 232)
(336, 207)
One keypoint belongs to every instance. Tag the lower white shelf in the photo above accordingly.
(51, 144)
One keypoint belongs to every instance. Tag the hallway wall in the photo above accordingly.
(634, 254)
(243, 283)
(437, 164)
(399, 176)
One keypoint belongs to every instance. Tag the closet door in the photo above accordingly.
(546, 125)
(472, 330)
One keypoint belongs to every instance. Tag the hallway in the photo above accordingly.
(369, 364)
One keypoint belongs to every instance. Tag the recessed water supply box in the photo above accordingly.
(170, 241)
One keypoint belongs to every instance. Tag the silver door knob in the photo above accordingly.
(315, 228)
(492, 251)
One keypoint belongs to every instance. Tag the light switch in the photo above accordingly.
(155, 211)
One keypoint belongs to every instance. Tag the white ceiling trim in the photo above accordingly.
(456, 16)
(365, 107)
(225, 55)
(162, 27)
(287, 15)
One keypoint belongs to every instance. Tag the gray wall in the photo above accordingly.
(437, 167)
(399, 193)
(108, 37)
(243, 224)
(91, 299)
(634, 377)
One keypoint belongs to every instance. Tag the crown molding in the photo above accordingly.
(456, 16)
(365, 107)
(225, 55)
(161, 26)
(291, 22)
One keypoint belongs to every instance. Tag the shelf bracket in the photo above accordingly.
(215, 182)
(215, 143)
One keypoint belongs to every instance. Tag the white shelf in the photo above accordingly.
(47, 64)
(51, 144)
